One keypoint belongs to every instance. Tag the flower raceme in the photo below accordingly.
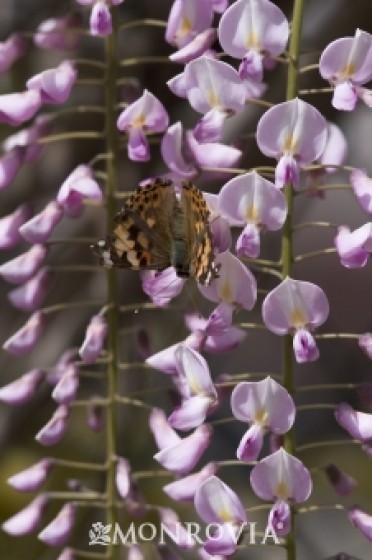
(205, 34)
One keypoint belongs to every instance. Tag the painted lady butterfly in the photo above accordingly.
(156, 229)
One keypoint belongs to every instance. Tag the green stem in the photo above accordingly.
(112, 297)
(287, 244)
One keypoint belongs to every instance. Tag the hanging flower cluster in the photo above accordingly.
(221, 54)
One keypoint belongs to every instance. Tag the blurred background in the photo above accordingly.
(321, 534)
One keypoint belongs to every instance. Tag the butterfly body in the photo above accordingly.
(158, 228)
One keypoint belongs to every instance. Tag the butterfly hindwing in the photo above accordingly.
(156, 229)
(202, 265)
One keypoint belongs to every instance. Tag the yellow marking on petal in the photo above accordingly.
(139, 121)
(289, 144)
(282, 491)
(261, 417)
(213, 99)
(253, 41)
(347, 71)
(225, 292)
(298, 319)
(252, 214)
(194, 386)
(225, 515)
(185, 27)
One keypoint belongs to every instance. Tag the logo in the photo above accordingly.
(100, 534)
(180, 533)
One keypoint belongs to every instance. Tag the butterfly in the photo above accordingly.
(157, 229)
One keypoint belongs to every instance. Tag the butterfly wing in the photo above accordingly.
(142, 236)
(200, 241)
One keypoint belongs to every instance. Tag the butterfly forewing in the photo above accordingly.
(156, 229)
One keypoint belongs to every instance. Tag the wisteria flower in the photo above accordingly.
(55, 428)
(79, 185)
(296, 307)
(94, 339)
(342, 483)
(216, 503)
(235, 285)
(354, 247)
(213, 88)
(295, 133)
(22, 268)
(54, 85)
(196, 47)
(28, 519)
(10, 163)
(57, 33)
(347, 64)
(146, 114)
(265, 405)
(357, 424)
(187, 20)
(199, 392)
(33, 477)
(23, 341)
(362, 187)
(57, 532)
(22, 389)
(184, 489)
(27, 138)
(365, 343)
(214, 338)
(39, 228)
(65, 390)
(176, 454)
(256, 203)
(281, 478)
(10, 225)
(17, 108)
(161, 287)
(10, 50)
(332, 157)
(252, 30)
(361, 520)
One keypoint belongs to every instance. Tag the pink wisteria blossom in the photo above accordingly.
(24, 340)
(54, 85)
(22, 389)
(146, 114)
(281, 478)
(33, 477)
(354, 247)
(184, 489)
(94, 339)
(253, 30)
(187, 20)
(250, 200)
(57, 532)
(55, 428)
(213, 88)
(296, 307)
(17, 108)
(216, 503)
(199, 392)
(28, 519)
(58, 34)
(295, 133)
(347, 64)
(30, 295)
(11, 224)
(357, 424)
(22, 268)
(362, 187)
(10, 50)
(176, 454)
(79, 185)
(266, 406)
